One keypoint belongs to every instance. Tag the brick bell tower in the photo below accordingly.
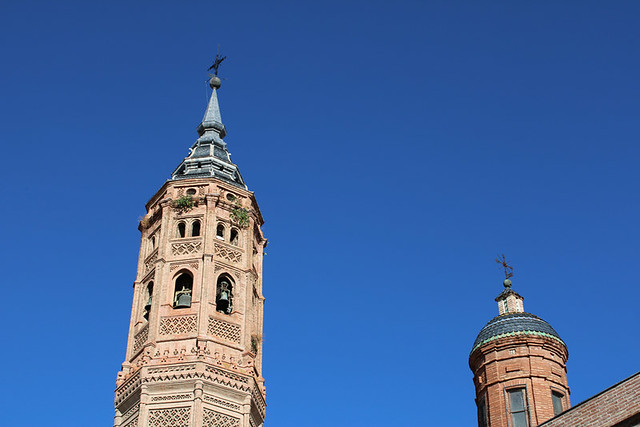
(194, 349)
(519, 367)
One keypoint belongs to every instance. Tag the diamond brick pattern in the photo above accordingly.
(173, 417)
(224, 330)
(186, 248)
(213, 418)
(228, 254)
(150, 263)
(141, 338)
(178, 325)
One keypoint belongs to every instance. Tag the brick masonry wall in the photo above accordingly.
(536, 364)
(611, 407)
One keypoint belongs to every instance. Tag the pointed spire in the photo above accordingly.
(209, 156)
(212, 119)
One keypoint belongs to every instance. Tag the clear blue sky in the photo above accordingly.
(395, 148)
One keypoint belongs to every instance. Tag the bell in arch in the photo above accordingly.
(183, 298)
(147, 306)
(223, 302)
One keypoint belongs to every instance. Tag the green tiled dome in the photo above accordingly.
(513, 324)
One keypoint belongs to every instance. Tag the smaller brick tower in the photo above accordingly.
(519, 367)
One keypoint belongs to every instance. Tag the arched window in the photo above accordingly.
(224, 294)
(195, 228)
(147, 305)
(220, 231)
(234, 237)
(182, 229)
(182, 292)
(153, 242)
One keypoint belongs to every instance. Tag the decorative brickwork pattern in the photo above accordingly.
(132, 423)
(186, 248)
(228, 254)
(221, 402)
(194, 265)
(202, 189)
(173, 417)
(127, 388)
(227, 374)
(150, 262)
(224, 330)
(178, 325)
(258, 398)
(141, 338)
(132, 412)
(168, 369)
(255, 419)
(213, 418)
(220, 267)
(171, 398)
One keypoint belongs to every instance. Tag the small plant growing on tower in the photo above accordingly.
(184, 203)
(145, 221)
(240, 216)
(256, 339)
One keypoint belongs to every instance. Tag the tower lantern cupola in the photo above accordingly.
(509, 301)
(519, 366)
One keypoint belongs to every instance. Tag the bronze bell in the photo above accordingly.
(222, 304)
(148, 304)
(184, 300)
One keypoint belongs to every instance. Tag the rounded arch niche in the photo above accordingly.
(147, 305)
(183, 289)
(224, 294)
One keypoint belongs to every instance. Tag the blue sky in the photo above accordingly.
(395, 148)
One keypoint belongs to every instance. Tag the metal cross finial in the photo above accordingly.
(217, 62)
(508, 270)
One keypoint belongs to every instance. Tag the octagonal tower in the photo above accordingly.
(519, 367)
(194, 353)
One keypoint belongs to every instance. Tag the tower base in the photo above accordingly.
(193, 394)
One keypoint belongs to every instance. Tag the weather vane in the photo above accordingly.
(217, 62)
(508, 270)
